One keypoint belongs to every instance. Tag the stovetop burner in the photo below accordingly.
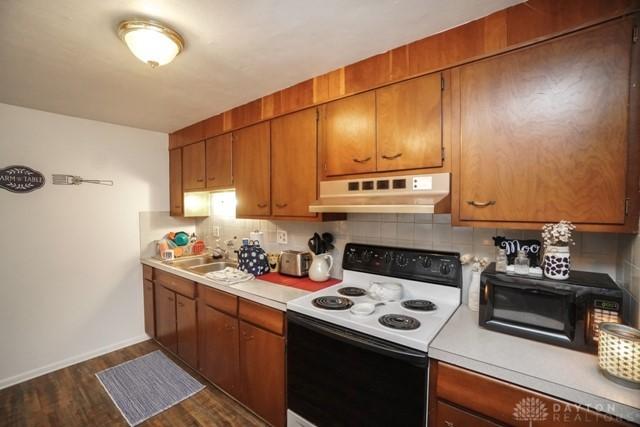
(352, 291)
(419, 305)
(399, 321)
(332, 302)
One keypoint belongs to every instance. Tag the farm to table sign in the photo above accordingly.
(20, 179)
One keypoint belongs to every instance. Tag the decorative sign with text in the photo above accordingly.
(20, 179)
(513, 246)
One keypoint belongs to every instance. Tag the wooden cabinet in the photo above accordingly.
(193, 166)
(186, 327)
(294, 160)
(262, 372)
(349, 135)
(252, 170)
(165, 313)
(541, 134)
(149, 312)
(409, 124)
(459, 397)
(219, 348)
(218, 162)
(175, 182)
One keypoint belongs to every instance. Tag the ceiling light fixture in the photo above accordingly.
(151, 42)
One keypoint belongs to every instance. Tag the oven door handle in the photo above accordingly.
(415, 357)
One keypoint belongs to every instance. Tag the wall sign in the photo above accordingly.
(512, 246)
(20, 179)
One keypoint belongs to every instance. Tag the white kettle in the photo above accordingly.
(320, 267)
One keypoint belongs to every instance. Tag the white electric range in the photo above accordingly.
(342, 366)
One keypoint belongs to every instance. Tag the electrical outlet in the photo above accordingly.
(215, 231)
(281, 237)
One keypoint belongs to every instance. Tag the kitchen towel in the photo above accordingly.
(229, 276)
(147, 385)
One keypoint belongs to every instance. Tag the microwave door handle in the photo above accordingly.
(372, 344)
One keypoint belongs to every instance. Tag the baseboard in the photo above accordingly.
(25, 376)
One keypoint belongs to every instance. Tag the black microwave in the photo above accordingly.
(565, 313)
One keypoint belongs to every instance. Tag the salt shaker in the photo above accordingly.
(521, 264)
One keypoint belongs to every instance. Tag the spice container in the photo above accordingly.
(521, 263)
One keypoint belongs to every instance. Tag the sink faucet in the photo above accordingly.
(230, 244)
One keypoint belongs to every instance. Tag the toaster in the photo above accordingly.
(295, 263)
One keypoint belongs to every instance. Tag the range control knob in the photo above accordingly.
(387, 257)
(426, 262)
(352, 256)
(367, 255)
(445, 268)
(402, 260)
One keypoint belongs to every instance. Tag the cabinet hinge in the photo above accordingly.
(317, 114)
(324, 166)
(627, 204)
(635, 35)
(441, 83)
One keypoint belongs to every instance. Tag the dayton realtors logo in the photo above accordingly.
(20, 179)
(530, 409)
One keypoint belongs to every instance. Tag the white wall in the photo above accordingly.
(70, 280)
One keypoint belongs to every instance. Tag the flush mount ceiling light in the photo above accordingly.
(151, 42)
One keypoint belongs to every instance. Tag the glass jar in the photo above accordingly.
(521, 264)
(501, 261)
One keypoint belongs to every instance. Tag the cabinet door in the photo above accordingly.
(294, 160)
(349, 135)
(193, 166)
(218, 153)
(175, 182)
(543, 131)
(187, 330)
(149, 311)
(409, 124)
(219, 360)
(262, 372)
(252, 170)
(166, 318)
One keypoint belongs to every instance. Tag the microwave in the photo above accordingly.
(565, 313)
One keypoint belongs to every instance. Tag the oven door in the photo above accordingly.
(338, 377)
(529, 309)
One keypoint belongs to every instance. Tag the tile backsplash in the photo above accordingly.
(592, 251)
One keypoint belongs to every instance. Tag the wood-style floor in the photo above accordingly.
(73, 396)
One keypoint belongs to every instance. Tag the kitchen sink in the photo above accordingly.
(191, 261)
(214, 266)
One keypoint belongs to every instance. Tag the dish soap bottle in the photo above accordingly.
(521, 264)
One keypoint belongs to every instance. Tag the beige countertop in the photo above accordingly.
(260, 291)
(567, 374)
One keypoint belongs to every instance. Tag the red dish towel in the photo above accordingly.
(303, 283)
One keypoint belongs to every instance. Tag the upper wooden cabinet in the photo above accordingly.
(193, 166)
(542, 132)
(294, 163)
(218, 162)
(175, 182)
(409, 124)
(349, 135)
(252, 170)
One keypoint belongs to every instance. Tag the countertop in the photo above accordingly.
(566, 374)
(260, 291)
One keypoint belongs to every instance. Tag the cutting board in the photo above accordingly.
(303, 283)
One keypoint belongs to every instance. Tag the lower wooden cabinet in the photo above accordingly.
(262, 372)
(219, 348)
(459, 397)
(165, 313)
(187, 332)
(149, 311)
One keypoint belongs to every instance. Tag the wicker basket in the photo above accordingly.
(619, 353)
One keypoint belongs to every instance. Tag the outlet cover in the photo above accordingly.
(215, 231)
(281, 237)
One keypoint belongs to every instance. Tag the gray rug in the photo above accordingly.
(147, 385)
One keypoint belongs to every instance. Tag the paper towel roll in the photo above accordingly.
(257, 236)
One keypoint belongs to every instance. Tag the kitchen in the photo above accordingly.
(432, 220)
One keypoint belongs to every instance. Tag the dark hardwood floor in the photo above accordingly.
(73, 396)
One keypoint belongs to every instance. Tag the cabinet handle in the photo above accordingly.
(213, 178)
(228, 327)
(391, 157)
(180, 304)
(481, 204)
(199, 180)
(177, 206)
(262, 205)
(170, 299)
(362, 160)
(281, 205)
(449, 423)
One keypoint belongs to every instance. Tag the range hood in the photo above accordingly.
(394, 194)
